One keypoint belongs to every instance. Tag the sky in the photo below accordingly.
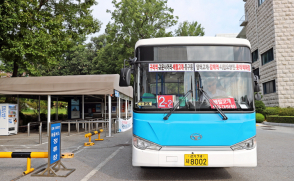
(216, 16)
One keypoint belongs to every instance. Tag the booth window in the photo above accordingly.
(269, 87)
(268, 56)
(255, 56)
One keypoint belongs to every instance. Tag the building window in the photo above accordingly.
(256, 72)
(255, 56)
(260, 2)
(269, 87)
(267, 56)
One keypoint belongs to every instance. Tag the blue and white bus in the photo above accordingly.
(193, 103)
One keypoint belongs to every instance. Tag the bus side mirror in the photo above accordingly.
(125, 77)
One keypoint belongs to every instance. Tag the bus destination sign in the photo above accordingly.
(165, 101)
(170, 67)
(243, 67)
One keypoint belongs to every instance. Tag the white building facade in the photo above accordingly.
(269, 26)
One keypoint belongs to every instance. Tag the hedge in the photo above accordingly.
(271, 111)
(289, 111)
(259, 118)
(280, 119)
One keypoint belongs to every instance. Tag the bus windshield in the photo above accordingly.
(161, 90)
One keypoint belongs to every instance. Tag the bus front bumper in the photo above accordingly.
(239, 158)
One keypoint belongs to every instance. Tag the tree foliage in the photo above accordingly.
(37, 32)
(189, 29)
(49, 36)
(132, 20)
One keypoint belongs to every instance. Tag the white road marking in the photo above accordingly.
(14, 145)
(79, 151)
(127, 141)
(87, 177)
(17, 139)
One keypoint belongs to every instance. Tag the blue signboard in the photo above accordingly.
(116, 93)
(55, 142)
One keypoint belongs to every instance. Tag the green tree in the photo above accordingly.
(78, 60)
(132, 20)
(189, 29)
(37, 32)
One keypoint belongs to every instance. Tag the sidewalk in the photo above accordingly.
(12, 168)
(278, 124)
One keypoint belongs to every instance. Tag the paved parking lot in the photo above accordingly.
(111, 159)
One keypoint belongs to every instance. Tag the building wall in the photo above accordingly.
(284, 33)
(260, 31)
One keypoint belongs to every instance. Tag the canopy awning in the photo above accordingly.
(64, 85)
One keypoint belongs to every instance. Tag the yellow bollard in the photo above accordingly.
(27, 155)
(98, 132)
(67, 155)
(29, 169)
(90, 143)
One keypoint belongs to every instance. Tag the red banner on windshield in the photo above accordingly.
(224, 103)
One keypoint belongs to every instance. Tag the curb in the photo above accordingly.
(278, 124)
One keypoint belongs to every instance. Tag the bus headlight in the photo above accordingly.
(143, 144)
(245, 145)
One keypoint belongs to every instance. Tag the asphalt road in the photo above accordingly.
(111, 160)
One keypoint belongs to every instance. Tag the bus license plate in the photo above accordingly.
(196, 159)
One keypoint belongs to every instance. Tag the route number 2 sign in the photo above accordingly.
(165, 101)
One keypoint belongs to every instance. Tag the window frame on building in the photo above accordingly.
(260, 2)
(267, 56)
(254, 55)
(267, 85)
(256, 72)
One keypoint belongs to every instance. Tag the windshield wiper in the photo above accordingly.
(174, 108)
(212, 102)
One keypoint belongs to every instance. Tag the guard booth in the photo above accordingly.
(88, 96)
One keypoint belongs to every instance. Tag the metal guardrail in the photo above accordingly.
(84, 122)
(77, 122)
(29, 126)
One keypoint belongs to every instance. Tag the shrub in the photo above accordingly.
(259, 118)
(289, 111)
(62, 116)
(271, 111)
(29, 118)
(259, 106)
(280, 119)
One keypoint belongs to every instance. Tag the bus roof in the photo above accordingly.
(193, 40)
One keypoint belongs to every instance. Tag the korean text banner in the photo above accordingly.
(170, 67)
(55, 143)
(240, 67)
